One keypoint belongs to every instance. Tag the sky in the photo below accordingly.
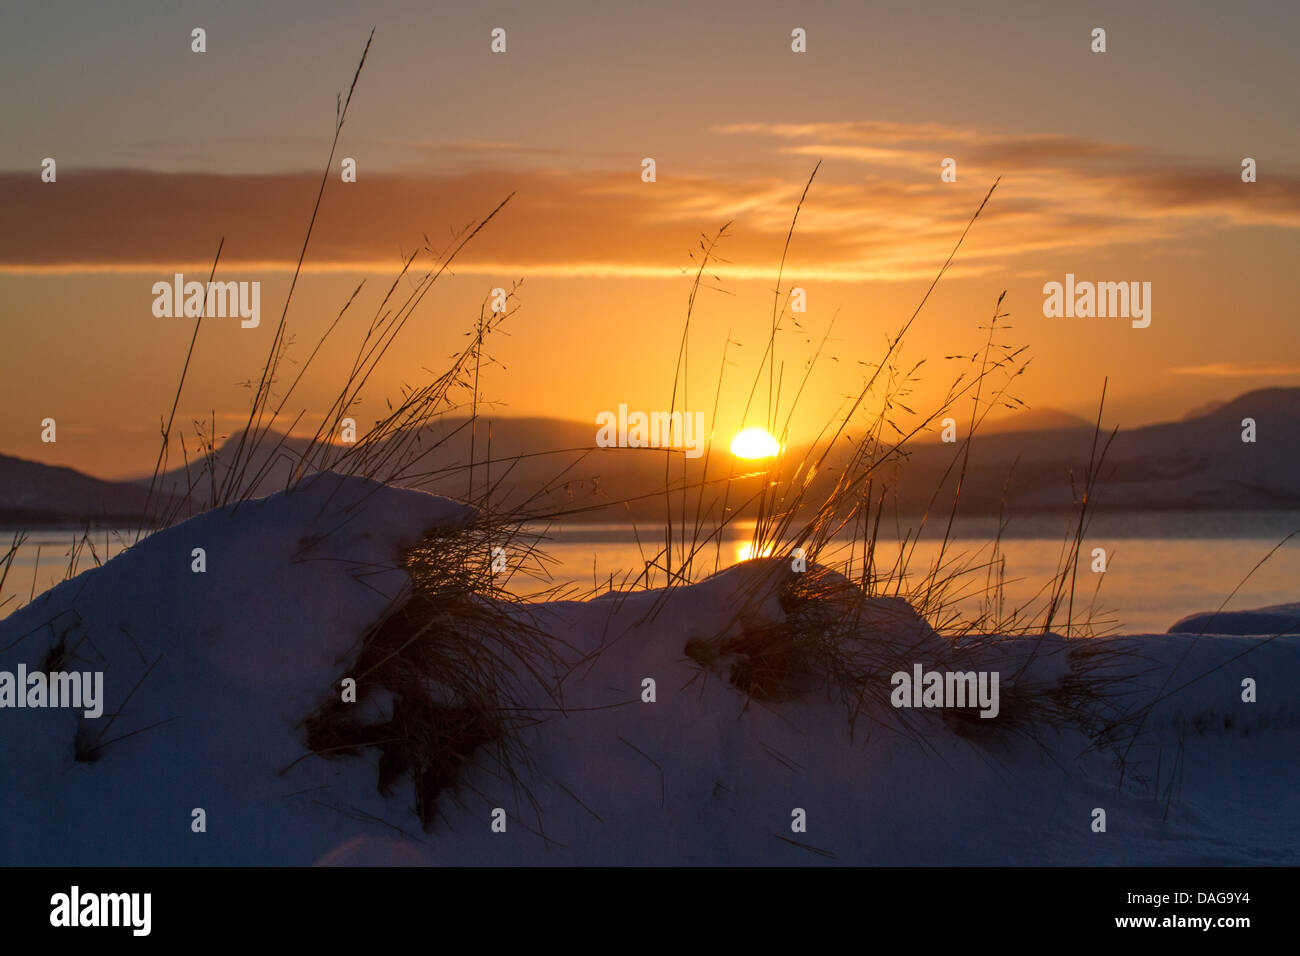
(1115, 166)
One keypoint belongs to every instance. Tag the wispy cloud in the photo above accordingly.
(1241, 369)
(1114, 181)
(877, 211)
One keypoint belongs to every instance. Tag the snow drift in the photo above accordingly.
(658, 727)
(1278, 619)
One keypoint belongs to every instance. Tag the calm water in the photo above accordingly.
(1159, 567)
(47, 557)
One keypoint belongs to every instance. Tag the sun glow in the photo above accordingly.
(746, 551)
(755, 443)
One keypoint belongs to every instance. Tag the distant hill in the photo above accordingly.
(1196, 464)
(1035, 419)
(37, 495)
(1200, 411)
(1034, 461)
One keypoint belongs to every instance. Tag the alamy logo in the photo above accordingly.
(56, 689)
(210, 300)
(653, 430)
(923, 688)
(1085, 300)
(103, 909)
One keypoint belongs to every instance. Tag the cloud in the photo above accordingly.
(1241, 369)
(877, 210)
(1128, 183)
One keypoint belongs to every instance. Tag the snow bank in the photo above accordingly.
(211, 674)
(1277, 619)
(207, 673)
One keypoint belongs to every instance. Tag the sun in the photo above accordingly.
(746, 551)
(755, 443)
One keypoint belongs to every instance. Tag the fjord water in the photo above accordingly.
(1160, 566)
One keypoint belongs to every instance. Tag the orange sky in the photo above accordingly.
(1140, 195)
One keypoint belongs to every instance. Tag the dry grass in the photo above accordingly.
(463, 667)
(836, 508)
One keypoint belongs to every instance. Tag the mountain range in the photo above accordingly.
(1034, 461)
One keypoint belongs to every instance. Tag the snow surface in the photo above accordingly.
(237, 656)
(1277, 619)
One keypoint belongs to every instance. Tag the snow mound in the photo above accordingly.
(670, 726)
(1277, 619)
(205, 674)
